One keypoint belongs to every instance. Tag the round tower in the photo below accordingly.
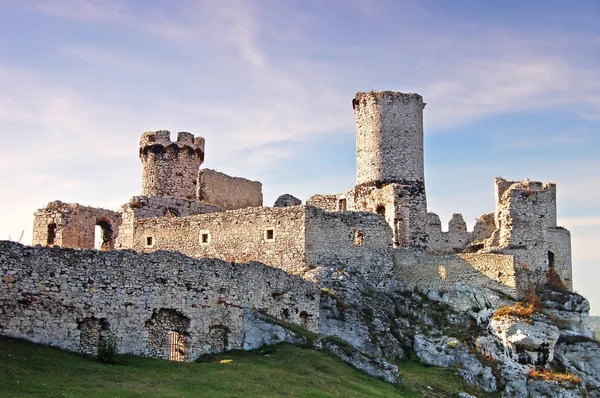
(170, 168)
(389, 137)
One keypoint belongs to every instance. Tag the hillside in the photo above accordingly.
(31, 370)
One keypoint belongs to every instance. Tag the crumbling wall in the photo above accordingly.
(354, 241)
(525, 220)
(454, 240)
(226, 192)
(274, 236)
(328, 202)
(170, 168)
(71, 298)
(140, 207)
(74, 225)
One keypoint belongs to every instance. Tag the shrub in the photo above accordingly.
(564, 379)
(107, 350)
(553, 280)
(524, 309)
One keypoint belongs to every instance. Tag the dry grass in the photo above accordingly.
(553, 280)
(564, 379)
(524, 309)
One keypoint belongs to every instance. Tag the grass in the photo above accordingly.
(31, 370)
(564, 379)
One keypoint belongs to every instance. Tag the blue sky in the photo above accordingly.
(513, 90)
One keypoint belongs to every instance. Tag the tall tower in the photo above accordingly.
(170, 168)
(389, 138)
(389, 152)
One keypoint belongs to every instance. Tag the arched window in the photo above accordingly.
(103, 235)
(551, 259)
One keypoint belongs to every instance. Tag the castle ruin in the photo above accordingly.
(381, 229)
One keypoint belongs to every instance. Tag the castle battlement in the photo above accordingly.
(159, 142)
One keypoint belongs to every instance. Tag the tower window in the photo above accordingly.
(551, 259)
(342, 205)
(51, 234)
(149, 241)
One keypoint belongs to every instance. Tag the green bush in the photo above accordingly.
(107, 350)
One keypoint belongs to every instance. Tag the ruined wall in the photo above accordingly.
(559, 244)
(73, 298)
(454, 240)
(140, 207)
(354, 241)
(274, 236)
(228, 193)
(74, 225)
(328, 202)
(446, 273)
(170, 168)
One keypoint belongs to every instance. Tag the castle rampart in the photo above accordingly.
(73, 298)
(170, 168)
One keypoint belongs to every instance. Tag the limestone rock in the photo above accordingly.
(527, 343)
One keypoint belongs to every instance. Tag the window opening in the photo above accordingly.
(551, 259)
(359, 238)
(171, 213)
(342, 204)
(102, 235)
(51, 233)
(149, 241)
(380, 210)
(205, 238)
(270, 234)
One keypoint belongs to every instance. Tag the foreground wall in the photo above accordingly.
(72, 298)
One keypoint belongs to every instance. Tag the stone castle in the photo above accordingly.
(196, 264)
(205, 213)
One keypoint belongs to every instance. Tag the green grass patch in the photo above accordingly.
(31, 370)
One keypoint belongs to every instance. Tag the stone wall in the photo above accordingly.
(140, 207)
(226, 192)
(454, 240)
(74, 298)
(328, 202)
(447, 273)
(353, 241)
(525, 220)
(274, 236)
(170, 168)
(74, 225)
